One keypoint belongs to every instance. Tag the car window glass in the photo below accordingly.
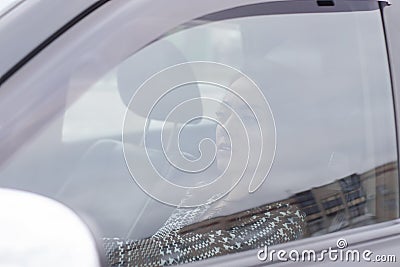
(330, 134)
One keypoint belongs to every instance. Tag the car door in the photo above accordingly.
(148, 117)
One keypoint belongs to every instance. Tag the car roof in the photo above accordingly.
(44, 17)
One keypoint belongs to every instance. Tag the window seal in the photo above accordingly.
(382, 5)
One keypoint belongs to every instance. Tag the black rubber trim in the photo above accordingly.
(289, 7)
(382, 5)
(325, 3)
(50, 39)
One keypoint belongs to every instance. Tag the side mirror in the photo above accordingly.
(37, 231)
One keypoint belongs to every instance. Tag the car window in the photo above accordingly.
(297, 116)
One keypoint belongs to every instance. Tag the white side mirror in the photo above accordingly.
(37, 231)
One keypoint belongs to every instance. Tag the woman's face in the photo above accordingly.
(229, 120)
(245, 138)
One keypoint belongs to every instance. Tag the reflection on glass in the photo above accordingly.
(335, 163)
(352, 201)
(335, 167)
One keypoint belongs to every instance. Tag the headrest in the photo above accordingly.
(154, 58)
